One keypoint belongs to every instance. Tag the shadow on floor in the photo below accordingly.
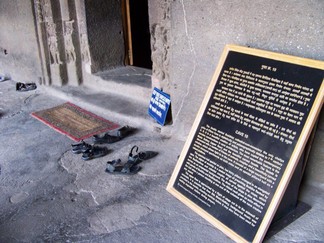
(128, 75)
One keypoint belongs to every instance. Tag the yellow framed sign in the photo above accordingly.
(247, 139)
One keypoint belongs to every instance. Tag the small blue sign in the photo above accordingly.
(159, 106)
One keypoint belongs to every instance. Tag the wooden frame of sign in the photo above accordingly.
(247, 138)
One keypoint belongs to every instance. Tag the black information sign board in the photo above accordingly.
(247, 138)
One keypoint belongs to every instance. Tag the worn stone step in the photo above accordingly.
(128, 81)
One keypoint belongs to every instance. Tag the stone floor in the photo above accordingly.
(49, 194)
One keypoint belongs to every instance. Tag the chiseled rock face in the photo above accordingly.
(19, 57)
(200, 31)
(314, 173)
(105, 34)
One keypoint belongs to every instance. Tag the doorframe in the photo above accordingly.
(127, 32)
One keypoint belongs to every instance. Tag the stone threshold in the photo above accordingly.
(126, 81)
(116, 106)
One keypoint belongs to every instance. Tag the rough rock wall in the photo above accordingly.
(160, 22)
(19, 57)
(52, 41)
(200, 30)
(105, 34)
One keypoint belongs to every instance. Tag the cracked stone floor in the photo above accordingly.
(49, 194)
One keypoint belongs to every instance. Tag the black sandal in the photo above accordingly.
(138, 158)
(80, 147)
(125, 131)
(25, 87)
(95, 152)
(131, 166)
(106, 138)
(109, 138)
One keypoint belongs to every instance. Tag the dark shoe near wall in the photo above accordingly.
(106, 138)
(25, 87)
(109, 137)
(131, 166)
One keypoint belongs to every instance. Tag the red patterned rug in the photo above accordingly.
(74, 121)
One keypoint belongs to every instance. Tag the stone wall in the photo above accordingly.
(19, 57)
(54, 41)
(187, 39)
(201, 29)
(105, 34)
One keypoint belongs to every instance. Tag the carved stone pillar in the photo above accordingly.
(160, 43)
(83, 35)
(41, 18)
(71, 42)
(59, 44)
(49, 42)
(76, 36)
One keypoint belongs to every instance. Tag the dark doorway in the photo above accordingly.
(138, 31)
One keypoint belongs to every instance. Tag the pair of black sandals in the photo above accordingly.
(89, 151)
(113, 138)
(131, 166)
(93, 151)
(115, 166)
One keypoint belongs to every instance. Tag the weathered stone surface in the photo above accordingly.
(200, 32)
(117, 217)
(50, 194)
(19, 197)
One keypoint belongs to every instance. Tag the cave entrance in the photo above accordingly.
(137, 33)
